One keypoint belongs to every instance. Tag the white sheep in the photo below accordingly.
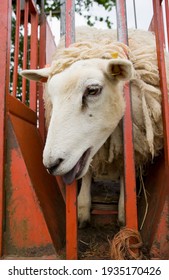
(85, 105)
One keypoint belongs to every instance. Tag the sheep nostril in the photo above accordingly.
(53, 167)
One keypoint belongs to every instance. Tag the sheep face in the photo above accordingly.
(87, 104)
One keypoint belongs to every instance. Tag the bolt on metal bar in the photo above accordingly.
(129, 164)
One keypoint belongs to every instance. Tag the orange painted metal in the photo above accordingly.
(71, 190)
(40, 191)
(129, 165)
(42, 63)
(25, 48)
(157, 188)
(25, 225)
(70, 23)
(5, 23)
(162, 71)
(167, 19)
(34, 59)
(155, 230)
(71, 222)
(34, 211)
(160, 246)
(16, 54)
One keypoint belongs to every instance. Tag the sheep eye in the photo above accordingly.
(93, 90)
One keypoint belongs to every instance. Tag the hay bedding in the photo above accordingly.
(94, 242)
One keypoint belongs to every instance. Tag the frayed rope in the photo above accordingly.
(126, 245)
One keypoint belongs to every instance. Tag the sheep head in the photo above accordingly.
(87, 103)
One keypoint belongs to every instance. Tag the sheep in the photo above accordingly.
(84, 105)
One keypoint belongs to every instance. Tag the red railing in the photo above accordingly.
(27, 17)
(159, 31)
(31, 16)
(5, 23)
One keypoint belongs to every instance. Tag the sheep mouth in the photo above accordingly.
(76, 171)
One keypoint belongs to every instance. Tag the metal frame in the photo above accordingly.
(71, 190)
(5, 23)
(14, 114)
(129, 166)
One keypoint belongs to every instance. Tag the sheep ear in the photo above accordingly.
(120, 69)
(39, 75)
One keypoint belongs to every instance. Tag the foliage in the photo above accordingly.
(83, 8)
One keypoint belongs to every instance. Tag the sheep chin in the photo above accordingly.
(76, 171)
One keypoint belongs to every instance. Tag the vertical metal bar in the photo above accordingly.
(16, 54)
(162, 71)
(34, 57)
(42, 63)
(129, 165)
(167, 19)
(71, 222)
(62, 18)
(25, 48)
(71, 191)
(5, 23)
(70, 22)
(135, 14)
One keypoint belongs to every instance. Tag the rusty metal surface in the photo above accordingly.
(129, 166)
(155, 231)
(26, 232)
(159, 30)
(29, 180)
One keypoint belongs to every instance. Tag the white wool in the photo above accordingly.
(145, 91)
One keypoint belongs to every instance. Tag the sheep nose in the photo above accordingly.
(54, 166)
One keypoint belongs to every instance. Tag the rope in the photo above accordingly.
(126, 245)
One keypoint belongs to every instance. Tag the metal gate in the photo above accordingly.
(32, 207)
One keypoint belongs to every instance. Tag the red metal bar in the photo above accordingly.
(16, 54)
(71, 222)
(162, 71)
(5, 23)
(70, 23)
(42, 63)
(129, 166)
(34, 57)
(167, 19)
(25, 48)
(71, 191)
